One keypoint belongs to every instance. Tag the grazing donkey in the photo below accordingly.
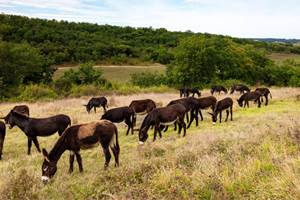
(239, 88)
(33, 127)
(224, 104)
(96, 102)
(249, 96)
(162, 116)
(264, 92)
(185, 92)
(218, 88)
(141, 107)
(82, 136)
(118, 115)
(2, 137)
(202, 103)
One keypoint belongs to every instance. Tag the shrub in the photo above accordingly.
(35, 92)
(148, 79)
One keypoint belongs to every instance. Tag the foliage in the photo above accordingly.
(200, 60)
(148, 79)
(36, 92)
(86, 74)
(22, 64)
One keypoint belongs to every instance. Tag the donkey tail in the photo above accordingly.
(270, 94)
(114, 143)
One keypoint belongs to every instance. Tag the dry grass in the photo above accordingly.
(120, 74)
(254, 157)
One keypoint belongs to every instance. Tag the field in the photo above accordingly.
(120, 74)
(255, 156)
(279, 57)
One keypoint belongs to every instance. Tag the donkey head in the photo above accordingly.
(48, 168)
(143, 135)
(240, 102)
(214, 117)
(88, 108)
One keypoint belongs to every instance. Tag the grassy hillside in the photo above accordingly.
(280, 57)
(256, 156)
(116, 73)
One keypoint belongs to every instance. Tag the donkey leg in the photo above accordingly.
(191, 120)
(159, 132)
(116, 152)
(2, 137)
(184, 128)
(231, 112)
(155, 132)
(221, 117)
(267, 100)
(201, 115)
(79, 161)
(227, 114)
(166, 128)
(29, 145)
(128, 123)
(36, 143)
(179, 127)
(104, 109)
(175, 126)
(71, 161)
(259, 103)
(187, 117)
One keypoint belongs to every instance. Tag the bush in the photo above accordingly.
(35, 92)
(86, 74)
(148, 79)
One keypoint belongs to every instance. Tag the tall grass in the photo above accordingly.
(256, 156)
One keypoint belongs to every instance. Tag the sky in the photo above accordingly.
(237, 18)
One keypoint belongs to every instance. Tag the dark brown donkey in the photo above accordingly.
(264, 92)
(224, 104)
(202, 103)
(82, 136)
(118, 115)
(96, 102)
(162, 116)
(141, 107)
(239, 88)
(2, 137)
(218, 88)
(249, 96)
(33, 127)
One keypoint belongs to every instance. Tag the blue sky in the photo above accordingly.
(239, 18)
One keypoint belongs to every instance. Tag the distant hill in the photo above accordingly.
(277, 40)
(69, 42)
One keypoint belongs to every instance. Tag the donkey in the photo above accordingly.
(33, 127)
(218, 88)
(96, 102)
(121, 114)
(2, 137)
(202, 103)
(163, 116)
(239, 88)
(185, 92)
(82, 136)
(264, 92)
(141, 107)
(249, 96)
(224, 104)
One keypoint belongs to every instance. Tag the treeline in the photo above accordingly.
(30, 47)
(62, 41)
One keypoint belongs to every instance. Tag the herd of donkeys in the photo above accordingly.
(104, 132)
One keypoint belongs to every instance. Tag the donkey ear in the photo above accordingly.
(45, 154)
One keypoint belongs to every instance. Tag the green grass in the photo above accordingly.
(256, 156)
(120, 74)
(280, 57)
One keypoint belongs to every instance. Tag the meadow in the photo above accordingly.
(117, 73)
(255, 156)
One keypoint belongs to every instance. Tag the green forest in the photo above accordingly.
(29, 48)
